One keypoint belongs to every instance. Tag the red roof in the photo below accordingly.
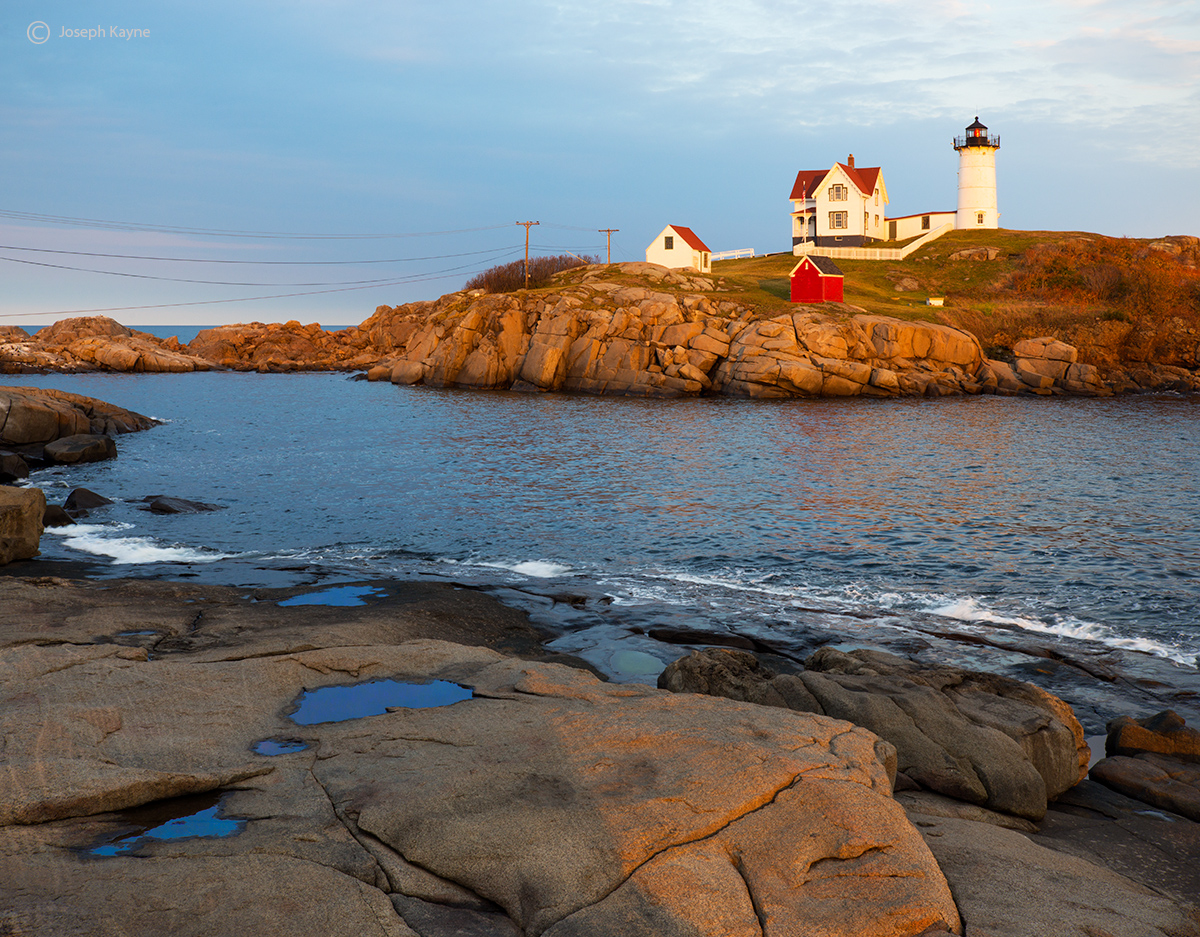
(865, 177)
(689, 237)
(807, 180)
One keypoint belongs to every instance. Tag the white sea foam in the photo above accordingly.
(539, 569)
(105, 540)
(968, 608)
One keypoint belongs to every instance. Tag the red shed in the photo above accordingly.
(816, 280)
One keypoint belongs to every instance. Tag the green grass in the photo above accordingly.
(871, 283)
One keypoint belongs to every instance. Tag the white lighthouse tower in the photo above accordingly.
(977, 178)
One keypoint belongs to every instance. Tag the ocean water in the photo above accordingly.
(1056, 519)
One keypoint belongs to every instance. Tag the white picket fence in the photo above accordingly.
(871, 253)
(734, 255)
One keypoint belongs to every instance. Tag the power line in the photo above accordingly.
(294, 263)
(150, 276)
(441, 275)
(219, 232)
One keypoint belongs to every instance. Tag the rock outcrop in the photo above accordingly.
(289, 346)
(1155, 760)
(550, 803)
(636, 329)
(1165, 733)
(981, 738)
(94, 343)
(604, 337)
(21, 511)
(40, 415)
(84, 447)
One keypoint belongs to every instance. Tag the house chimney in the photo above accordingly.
(850, 160)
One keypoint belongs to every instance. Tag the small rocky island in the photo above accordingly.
(640, 329)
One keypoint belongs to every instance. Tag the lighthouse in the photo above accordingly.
(977, 178)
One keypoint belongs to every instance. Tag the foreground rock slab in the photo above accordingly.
(549, 803)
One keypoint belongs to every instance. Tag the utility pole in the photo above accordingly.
(610, 232)
(527, 225)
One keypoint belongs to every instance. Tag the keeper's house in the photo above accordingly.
(839, 207)
(816, 280)
(678, 246)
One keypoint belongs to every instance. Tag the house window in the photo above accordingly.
(668, 243)
(839, 219)
(866, 221)
(838, 193)
(979, 217)
(924, 222)
(876, 196)
(877, 221)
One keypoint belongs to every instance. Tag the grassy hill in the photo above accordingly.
(1120, 300)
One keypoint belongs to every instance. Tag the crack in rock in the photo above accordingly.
(740, 868)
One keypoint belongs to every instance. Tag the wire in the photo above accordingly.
(150, 276)
(442, 275)
(294, 263)
(218, 232)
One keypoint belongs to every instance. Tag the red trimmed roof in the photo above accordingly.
(689, 237)
(865, 177)
(807, 180)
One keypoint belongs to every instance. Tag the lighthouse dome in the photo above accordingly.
(976, 135)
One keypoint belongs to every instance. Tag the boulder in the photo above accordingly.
(985, 739)
(12, 467)
(1167, 783)
(21, 511)
(81, 500)
(164, 504)
(408, 372)
(55, 516)
(1165, 733)
(83, 447)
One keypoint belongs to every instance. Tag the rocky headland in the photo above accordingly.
(636, 329)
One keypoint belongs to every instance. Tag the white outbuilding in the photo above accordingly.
(678, 246)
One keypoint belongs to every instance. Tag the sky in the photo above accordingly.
(389, 148)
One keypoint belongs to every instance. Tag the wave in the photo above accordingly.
(860, 597)
(105, 540)
(536, 569)
(970, 609)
